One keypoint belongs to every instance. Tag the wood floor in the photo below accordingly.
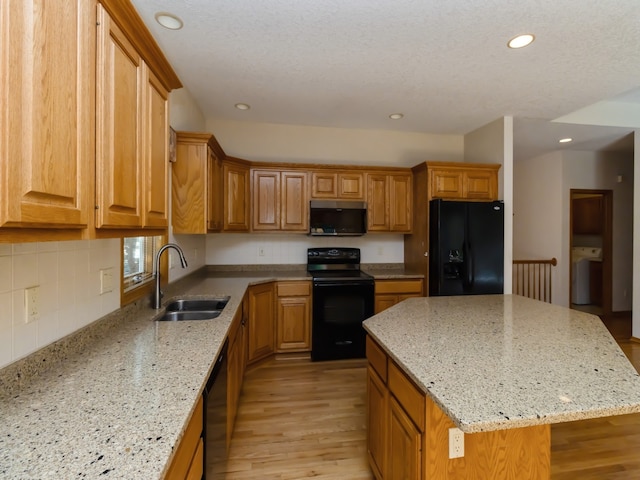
(299, 419)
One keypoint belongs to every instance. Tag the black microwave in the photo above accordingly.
(337, 218)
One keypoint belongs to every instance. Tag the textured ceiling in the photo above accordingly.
(445, 65)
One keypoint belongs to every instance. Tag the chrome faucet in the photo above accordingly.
(156, 300)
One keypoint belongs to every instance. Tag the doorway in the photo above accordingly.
(591, 236)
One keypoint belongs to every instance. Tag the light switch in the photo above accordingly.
(106, 280)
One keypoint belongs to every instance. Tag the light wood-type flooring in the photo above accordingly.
(299, 419)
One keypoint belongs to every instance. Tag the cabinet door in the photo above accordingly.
(236, 197)
(480, 184)
(351, 186)
(261, 322)
(587, 215)
(400, 203)
(293, 324)
(324, 185)
(119, 135)
(188, 184)
(377, 423)
(446, 184)
(377, 202)
(382, 302)
(294, 213)
(266, 200)
(47, 81)
(405, 445)
(156, 161)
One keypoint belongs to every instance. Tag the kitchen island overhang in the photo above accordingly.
(504, 365)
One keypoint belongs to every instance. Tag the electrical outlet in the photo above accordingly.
(381, 251)
(106, 280)
(31, 303)
(456, 443)
(261, 251)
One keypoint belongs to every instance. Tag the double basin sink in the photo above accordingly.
(194, 309)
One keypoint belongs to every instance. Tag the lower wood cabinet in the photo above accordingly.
(390, 292)
(188, 462)
(408, 435)
(293, 327)
(261, 329)
(235, 368)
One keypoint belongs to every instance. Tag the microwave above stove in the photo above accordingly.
(337, 218)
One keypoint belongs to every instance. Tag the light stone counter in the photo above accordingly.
(504, 361)
(119, 406)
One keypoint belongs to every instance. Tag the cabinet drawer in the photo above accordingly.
(377, 358)
(294, 289)
(398, 286)
(412, 400)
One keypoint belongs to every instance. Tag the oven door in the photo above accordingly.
(339, 308)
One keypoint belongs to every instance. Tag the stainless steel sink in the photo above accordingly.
(189, 315)
(198, 305)
(184, 309)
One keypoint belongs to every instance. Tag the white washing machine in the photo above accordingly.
(580, 258)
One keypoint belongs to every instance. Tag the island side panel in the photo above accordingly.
(496, 455)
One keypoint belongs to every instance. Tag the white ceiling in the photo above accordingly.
(444, 65)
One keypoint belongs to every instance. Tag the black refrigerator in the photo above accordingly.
(466, 247)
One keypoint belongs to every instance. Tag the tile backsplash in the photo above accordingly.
(68, 278)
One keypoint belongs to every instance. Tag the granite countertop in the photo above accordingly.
(113, 399)
(118, 406)
(504, 361)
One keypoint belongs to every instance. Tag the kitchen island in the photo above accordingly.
(501, 368)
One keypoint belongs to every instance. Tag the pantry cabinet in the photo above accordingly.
(337, 185)
(47, 85)
(280, 201)
(293, 317)
(389, 202)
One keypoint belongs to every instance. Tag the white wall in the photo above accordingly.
(493, 143)
(537, 216)
(184, 112)
(303, 144)
(243, 249)
(68, 276)
(542, 211)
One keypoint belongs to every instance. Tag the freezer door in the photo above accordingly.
(446, 247)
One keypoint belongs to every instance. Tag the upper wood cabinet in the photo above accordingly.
(337, 185)
(588, 215)
(389, 202)
(196, 185)
(463, 181)
(280, 201)
(47, 85)
(133, 131)
(236, 194)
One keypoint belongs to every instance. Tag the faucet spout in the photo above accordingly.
(156, 300)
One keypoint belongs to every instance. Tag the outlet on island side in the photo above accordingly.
(456, 443)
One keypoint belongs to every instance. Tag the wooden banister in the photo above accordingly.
(532, 278)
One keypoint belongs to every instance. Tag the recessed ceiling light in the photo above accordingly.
(566, 140)
(242, 106)
(396, 116)
(169, 20)
(521, 41)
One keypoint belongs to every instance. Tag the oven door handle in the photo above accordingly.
(341, 284)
